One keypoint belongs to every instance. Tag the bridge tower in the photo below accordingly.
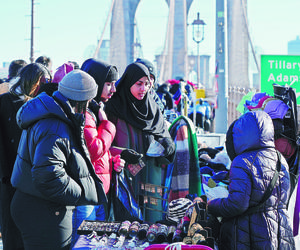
(122, 33)
(122, 36)
(174, 58)
(238, 45)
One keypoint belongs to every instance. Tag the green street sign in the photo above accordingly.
(281, 69)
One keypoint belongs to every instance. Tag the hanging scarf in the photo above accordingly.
(186, 162)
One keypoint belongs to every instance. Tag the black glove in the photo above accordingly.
(168, 144)
(131, 156)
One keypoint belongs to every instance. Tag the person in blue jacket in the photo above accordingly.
(250, 145)
(53, 171)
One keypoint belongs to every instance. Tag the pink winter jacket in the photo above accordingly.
(99, 140)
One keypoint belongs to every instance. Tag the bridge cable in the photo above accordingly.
(167, 38)
(106, 22)
(248, 33)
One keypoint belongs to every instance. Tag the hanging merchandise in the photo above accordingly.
(186, 164)
(124, 204)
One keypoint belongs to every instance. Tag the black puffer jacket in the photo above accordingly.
(10, 134)
(251, 172)
(52, 161)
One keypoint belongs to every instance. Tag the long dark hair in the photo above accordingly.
(29, 80)
(80, 106)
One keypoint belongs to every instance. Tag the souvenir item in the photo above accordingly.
(170, 234)
(134, 229)
(152, 232)
(162, 233)
(135, 168)
(143, 231)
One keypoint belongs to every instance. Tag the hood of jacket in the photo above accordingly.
(44, 106)
(253, 130)
(102, 72)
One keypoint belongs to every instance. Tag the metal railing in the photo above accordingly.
(235, 95)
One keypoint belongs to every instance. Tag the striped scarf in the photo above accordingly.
(182, 177)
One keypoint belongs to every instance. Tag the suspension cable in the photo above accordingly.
(167, 38)
(248, 33)
(106, 22)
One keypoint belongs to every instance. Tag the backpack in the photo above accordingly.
(282, 108)
(289, 129)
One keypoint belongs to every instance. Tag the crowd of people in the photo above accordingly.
(65, 134)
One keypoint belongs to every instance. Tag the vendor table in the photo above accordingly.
(84, 243)
(110, 235)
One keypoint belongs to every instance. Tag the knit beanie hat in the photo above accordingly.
(177, 209)
(112, 74)
(149, 65)
(101, 71)
(78, 86)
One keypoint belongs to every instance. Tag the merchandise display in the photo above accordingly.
(199, 175)
(185, 220)
(194, 228)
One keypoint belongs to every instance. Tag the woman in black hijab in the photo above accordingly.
(139, 124)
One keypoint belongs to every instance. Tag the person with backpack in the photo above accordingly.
(255, 211)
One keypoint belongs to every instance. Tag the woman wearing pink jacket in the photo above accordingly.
(99, 134)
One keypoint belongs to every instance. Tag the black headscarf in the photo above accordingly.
(102, 72)
(142, 114)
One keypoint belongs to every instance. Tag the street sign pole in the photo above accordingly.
(221, 118)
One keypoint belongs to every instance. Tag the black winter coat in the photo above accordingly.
(10, 134)
(250, 174)
(52, 161)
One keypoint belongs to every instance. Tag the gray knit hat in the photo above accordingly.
(78, 85)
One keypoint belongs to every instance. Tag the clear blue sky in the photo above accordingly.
(69, 29)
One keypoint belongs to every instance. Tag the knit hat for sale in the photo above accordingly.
(177, 209)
